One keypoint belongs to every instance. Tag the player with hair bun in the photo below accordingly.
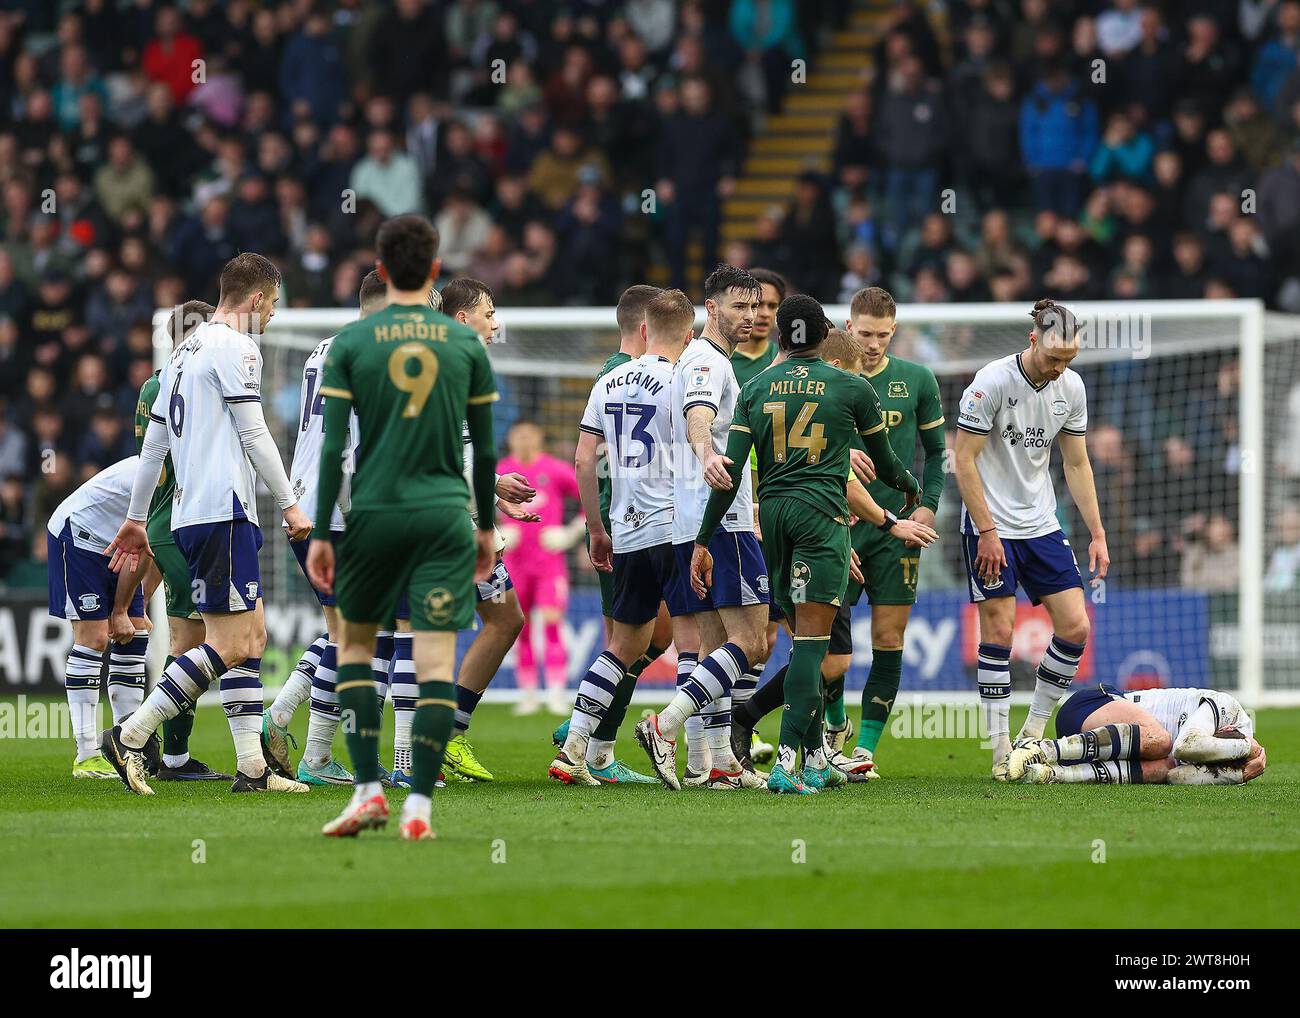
(1010, 415)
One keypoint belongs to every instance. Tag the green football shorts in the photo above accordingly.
(889, 567)
(177, 592)
(426, 553)
(807, 553)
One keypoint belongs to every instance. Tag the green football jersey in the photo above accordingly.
(409, 372)
(804, 416)
(160, 506)
(746, 367)
(604, 486)
(909, 398)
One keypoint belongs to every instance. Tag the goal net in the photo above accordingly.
(1194, 436)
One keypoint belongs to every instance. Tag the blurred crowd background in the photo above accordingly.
(1107, 149)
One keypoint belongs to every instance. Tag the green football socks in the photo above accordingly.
(878, 695)
(359, 712)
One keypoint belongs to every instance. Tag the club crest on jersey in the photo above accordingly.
(897, 390)
(1059, 407)
(762, 584)
(438, 604)
(250, 590)
(89, 602)
(800, 574)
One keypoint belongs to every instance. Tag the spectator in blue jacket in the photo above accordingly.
(1058, 132)
(1124, 153)
(312, 71)
(1277, 58)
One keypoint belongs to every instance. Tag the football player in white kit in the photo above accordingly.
(83, 591)
(1175, 736)
(314, 676)
(630, 410)
(732, 616)
(1010, 415)
(209, 415)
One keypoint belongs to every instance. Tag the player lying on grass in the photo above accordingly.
(209, 415)
(415, 377)
(629, 410)
(841, 351)
(1149, 736)
(1011, 414)
(804, 416)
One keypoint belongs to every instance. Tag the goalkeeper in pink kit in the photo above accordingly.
(535, 557)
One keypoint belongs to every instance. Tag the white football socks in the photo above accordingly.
(126, 678)
(81, 680)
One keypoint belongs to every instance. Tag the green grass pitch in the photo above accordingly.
(933, 843)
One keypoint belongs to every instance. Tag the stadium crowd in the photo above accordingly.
(1095, 149)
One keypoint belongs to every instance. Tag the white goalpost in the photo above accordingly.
(1194, 433)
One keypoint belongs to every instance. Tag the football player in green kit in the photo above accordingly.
(414, 376)
(909, 397)
(804, 415)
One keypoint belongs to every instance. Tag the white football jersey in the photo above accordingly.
(305, 471)
(205, 375)
(97, 509)
(1021, 421)
(631, 408)
(1172, 707)
(703, 376)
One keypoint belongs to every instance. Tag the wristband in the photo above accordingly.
(991, 530)
(890, 522)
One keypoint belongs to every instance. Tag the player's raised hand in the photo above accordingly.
(855, 568)
(128, 546)
(485, 555)
(515, 488)
(296, 522)
(514, 511)
(701, 570)
(715, 472)
(320, 565)
(863, 468)
(1098, 558)
(601, 550)
(990, 557)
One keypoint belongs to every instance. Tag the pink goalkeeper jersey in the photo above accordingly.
(555, 481)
